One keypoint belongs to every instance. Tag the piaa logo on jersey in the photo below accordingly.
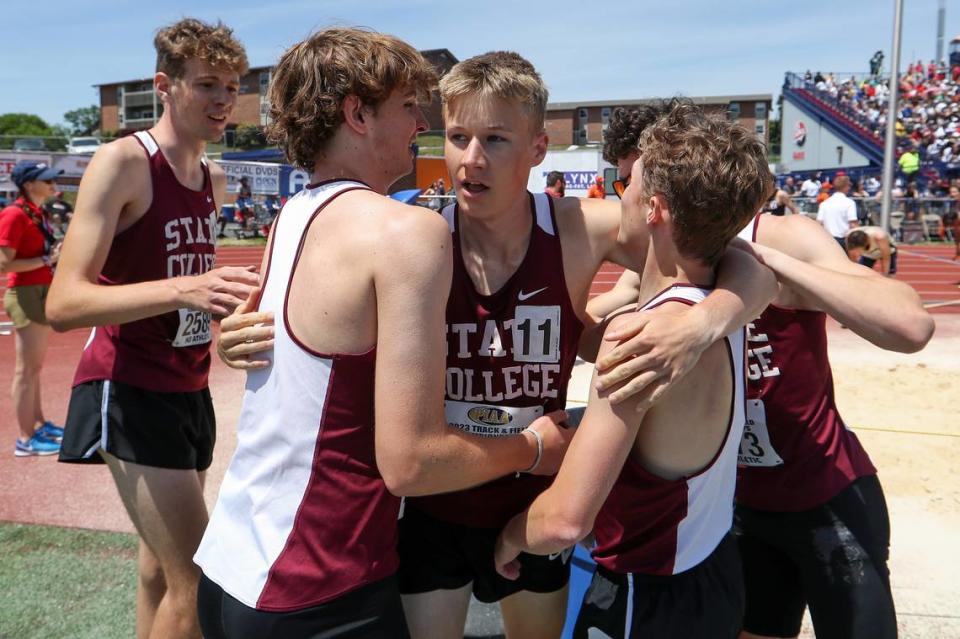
(800, 133)
(489, 416)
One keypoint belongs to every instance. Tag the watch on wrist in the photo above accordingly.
(46, 261)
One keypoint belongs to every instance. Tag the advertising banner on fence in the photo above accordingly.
(72, 165)
(292, 180)
(579, 169)
(262, 177)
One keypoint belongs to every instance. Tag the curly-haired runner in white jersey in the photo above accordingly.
(656, 487)
(806, 484)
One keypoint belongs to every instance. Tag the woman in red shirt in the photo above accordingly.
(27, 254)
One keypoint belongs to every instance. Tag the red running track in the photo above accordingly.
(39, 490)
(928, 269)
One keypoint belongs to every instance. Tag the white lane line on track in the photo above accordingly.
(930, 257)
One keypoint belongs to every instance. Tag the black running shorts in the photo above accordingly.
(369, 612)
(832, 558)
(165, 430)
(437, 555)
(705, 602)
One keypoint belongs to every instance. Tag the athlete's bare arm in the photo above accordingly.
(883, 243)
(564, 514)
(655, 350)
(114, 193)
(623, 293)
(417, 452)
(784, 198)
(816, 275)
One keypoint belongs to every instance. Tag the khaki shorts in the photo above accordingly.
(25, 304)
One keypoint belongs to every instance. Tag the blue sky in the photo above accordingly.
(585, 51)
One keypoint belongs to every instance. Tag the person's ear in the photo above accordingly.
(657, 212)
(540, 148)
(353, 114)
(161, 84)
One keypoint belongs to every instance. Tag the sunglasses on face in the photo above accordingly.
(620, 185)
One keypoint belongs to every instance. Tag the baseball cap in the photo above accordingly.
(30, 170)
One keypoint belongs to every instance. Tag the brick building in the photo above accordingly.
(583, 123)
(133, 105)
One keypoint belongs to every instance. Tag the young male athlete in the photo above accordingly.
(868, 245)
(302, 541)
(812, 523)
(656, 487)
(137, 265)
(522, 269)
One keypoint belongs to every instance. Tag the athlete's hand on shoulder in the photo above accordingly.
(761, 253)
(556, 438)
(655, 350)
(244, 334)
(217, 291)
(505, 554)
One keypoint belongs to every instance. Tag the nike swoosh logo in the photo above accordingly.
(525, 296)
(563, 553)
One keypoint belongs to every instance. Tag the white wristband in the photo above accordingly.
(536, 462)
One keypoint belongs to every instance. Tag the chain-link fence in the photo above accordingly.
(912, 219)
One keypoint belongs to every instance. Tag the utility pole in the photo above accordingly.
(941, 26)
(890, 147)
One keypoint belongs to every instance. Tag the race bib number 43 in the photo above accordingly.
(755, 447)
(194, 328)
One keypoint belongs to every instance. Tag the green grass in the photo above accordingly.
(64, 582)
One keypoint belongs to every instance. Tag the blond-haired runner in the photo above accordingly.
(347, 415)
(137, 265)
(522, 270)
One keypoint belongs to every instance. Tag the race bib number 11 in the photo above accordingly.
(536, 334)
(755, 447)
(194, 328)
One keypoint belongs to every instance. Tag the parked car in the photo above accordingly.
(29, 144)
(83, 145)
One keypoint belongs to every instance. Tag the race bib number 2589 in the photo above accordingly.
(194, 328)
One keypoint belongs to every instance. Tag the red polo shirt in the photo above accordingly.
(19, 232)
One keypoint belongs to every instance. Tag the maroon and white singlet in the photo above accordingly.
(303, 515)
(796, 451)
(509, 358)
(658, 526)
(167, 353)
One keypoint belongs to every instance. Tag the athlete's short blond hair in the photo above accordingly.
(498, 74)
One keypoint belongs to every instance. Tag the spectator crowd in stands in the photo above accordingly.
(928, 121)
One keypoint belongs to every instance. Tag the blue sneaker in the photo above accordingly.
(36, 445)
(49, 430)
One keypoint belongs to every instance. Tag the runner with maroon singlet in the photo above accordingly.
(137, 264)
